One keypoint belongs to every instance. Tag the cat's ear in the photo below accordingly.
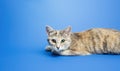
(67, 30)
(49, 29)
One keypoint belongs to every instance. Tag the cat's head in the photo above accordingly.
(59, 39)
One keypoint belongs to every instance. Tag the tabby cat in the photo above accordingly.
(93, 41)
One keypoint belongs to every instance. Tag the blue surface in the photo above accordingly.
(23, 35)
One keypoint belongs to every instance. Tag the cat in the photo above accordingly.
(93, 41)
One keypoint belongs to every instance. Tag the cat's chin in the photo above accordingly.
(57, 52)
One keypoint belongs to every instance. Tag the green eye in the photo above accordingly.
(63, 40)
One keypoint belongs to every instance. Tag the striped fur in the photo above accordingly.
(93, 41)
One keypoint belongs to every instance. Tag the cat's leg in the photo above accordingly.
(48, 48)
(70, 52)
(66, 52)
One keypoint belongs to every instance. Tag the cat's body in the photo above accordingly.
(93, 41)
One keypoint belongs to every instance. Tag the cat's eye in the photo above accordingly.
(63, 40)
(53, 40)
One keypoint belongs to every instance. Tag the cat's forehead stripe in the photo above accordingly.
(58, 32)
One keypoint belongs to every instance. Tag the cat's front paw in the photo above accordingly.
(48, 48)
(84, 54)
(67, 53)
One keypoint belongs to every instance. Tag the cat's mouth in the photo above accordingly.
(56, 52)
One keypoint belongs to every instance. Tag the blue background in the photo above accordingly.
(23, 35)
